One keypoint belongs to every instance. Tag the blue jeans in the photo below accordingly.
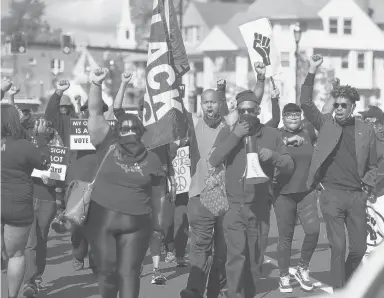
(36, 250)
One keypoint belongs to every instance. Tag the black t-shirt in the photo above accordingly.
(122, 188)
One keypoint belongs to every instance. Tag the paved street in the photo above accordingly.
(62, 281)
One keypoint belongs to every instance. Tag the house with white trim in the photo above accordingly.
(348, 33)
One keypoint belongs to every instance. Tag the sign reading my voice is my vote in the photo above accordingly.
(79, 138)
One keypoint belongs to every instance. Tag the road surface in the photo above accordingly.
(61, 281)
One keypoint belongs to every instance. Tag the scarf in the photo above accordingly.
(347, 122)
(132, 150)
(379, 131)
(253, 122)
(213, 122)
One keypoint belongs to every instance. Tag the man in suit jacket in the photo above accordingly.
(344, 167)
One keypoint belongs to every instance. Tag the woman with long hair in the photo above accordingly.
(19, 158)
(119, 222)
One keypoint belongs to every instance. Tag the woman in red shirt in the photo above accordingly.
(119, 222)
(19, 158)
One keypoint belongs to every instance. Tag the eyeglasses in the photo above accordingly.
(248, 110)
(342, 105)
(292, 115)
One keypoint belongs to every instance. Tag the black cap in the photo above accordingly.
(247, 95)
(291, 108)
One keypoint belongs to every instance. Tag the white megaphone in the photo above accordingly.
(254, 174)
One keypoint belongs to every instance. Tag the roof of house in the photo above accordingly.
(215, 13)
(378, 10)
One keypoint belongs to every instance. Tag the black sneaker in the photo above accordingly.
(157, 277)
(302, 276)
(30, 290)
(285, 284)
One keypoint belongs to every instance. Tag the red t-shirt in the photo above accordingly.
(125, 189)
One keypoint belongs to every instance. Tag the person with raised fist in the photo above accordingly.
(19, 158)
(6, 84)
(344, 169)
(119, 226)
(59, 111)
(246, 223)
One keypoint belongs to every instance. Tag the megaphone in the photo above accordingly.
(254, 174)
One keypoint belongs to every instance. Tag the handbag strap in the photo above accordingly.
(112, 147)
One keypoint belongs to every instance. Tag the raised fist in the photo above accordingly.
(260, 69)
(275, 93)
(63, 85)
(41, 127)
(99, 75)
(13, 91)
(316, 61)
(221, 82)
(262, 45)
(335, 83)
(6, 84)
(126, 77)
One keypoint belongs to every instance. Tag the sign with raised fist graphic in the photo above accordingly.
(262, 45)
(258, 38)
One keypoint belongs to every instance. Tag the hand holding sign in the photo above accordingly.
(262, 45)
(41, 127)
(63, 85)
(260, 69)
(275, 93)
(99, 75)
(126, 77)
(13, 91)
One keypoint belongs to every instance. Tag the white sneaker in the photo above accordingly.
(285, 284)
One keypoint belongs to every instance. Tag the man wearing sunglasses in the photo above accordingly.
(344, 168)
(249, 204)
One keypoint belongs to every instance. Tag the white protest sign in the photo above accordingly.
(58, 168)
(79, 138)
(258, 38)
(181, 166)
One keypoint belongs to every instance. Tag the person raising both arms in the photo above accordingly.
(119, 227)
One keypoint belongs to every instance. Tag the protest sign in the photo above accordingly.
(59, 162)
(181, 166)
(258, 38)
(79, 138)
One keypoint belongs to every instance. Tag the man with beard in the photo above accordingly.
(344, 167)
(249, 203)
(206, 227)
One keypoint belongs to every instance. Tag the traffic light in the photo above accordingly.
(18, 43)
(66, 43)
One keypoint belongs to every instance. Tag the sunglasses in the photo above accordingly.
(248, 110)
(342, 105)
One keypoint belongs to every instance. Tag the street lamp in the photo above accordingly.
(297, 35)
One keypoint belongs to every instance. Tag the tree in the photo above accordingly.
(27, 16)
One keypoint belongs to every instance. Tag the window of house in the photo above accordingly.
(347, 26)
(192, 34)
(333, 25)
(285, 59)
(344, 61)
(57, 66)
(360, 61)
(32, 61)
(229, 64)
(127, 34)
